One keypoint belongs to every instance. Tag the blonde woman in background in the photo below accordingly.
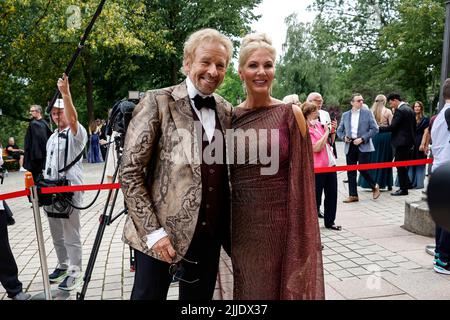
(382, 144)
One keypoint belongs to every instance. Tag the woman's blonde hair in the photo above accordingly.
(202, 36)
(378, 106)
(92, 127)
(253, 42)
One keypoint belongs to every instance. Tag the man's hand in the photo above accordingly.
(63, 85)
(347, 140)
(164, 250)
(357, 141)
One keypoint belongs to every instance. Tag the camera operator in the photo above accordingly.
(65, 232)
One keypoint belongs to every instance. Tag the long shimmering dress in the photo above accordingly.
(276, 248)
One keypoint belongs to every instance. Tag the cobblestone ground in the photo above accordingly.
(371, 258)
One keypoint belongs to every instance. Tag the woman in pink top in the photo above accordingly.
(323, 157)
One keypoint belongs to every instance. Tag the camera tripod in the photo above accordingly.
(105, 219)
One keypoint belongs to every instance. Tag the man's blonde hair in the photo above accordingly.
(253, 42)
(202, 36)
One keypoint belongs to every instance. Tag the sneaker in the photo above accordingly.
(58, 275)
(22, 169)
(436, 258)
(70, 283)
(442, 267)
(22, 296)
(430, 249)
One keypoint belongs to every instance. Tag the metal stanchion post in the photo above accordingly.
(47, 294)
(29, 184)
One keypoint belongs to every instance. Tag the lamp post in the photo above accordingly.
(445, 53)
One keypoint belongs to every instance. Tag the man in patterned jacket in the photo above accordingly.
(177, 198)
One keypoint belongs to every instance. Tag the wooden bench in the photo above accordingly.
(9, 163)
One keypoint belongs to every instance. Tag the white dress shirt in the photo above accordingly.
(207, 116)
(355, 122)
(208, 119)
(441, 140)
(324, 117)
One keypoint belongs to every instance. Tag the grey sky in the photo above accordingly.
(273, 14)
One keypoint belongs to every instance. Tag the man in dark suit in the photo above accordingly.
(36, 138)
(403, 128)
(178, 216)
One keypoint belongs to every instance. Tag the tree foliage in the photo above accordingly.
(231, 88)
(303, 68)
(366, 46)
(134, 45)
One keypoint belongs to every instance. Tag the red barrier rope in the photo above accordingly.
(371, 166)
(109, 186)
(16, 194)
(88, 187)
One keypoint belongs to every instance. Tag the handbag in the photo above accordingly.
(56, 205)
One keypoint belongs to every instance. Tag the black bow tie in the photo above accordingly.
(207, 102)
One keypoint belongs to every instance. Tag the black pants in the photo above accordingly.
(152, 278)
(103, 150)
(327, 183)
(354, 156)
(443, 244)
(403, 154)
(8, 267)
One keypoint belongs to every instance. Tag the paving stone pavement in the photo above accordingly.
(371, 258)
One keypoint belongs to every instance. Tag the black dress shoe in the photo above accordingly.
(334, 227)
(10, 220)
(321, 216)
(400, 192)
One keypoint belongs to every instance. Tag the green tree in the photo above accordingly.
(303, 68)
(231, 88)
(414, 44)
(134, 45)
(382, 46)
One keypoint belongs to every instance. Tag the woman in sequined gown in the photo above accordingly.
(276, 248)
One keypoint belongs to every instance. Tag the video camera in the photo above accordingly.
(121, 114)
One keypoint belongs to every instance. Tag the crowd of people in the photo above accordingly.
(190, 190)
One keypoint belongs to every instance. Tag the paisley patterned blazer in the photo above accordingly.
(160, 173)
